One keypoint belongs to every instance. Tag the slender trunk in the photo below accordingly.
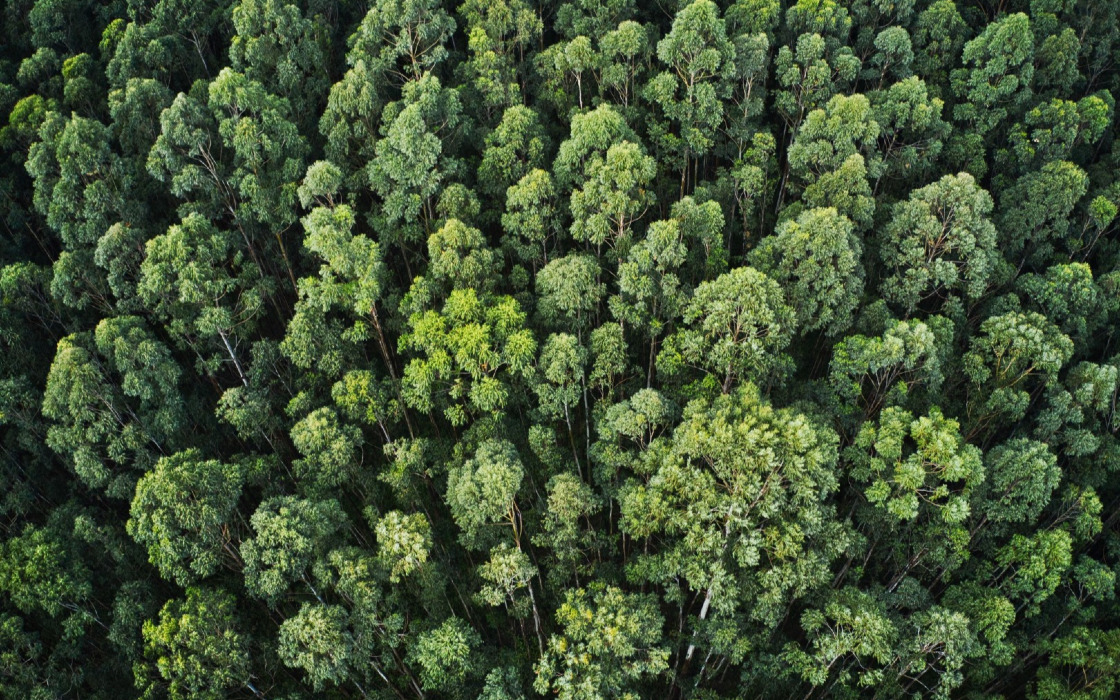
(914, 561)
(703, 667)
(572, 441)
(586, 419)
(233, 356)
(684, 173)
(703, 614)
(536, 619)
(287, 263)
(708, 594)
(360, 688)
(228, 548)
(314, 592)
(198, 48)
(396, 691)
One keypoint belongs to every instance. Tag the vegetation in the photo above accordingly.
(499, 349)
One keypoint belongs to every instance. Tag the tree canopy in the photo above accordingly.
(590, 349)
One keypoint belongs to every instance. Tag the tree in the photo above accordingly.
(834, 154)
(735, 328)
(1052, 130)
(591, 135)
(561, 376)
(1031, 567)
(919, 477)
(182, 512)
(19, 661)
(718, 511)
(515, 148)
(351, 119)
(1039, 224)
(940, 244)
(404, 542)
(468, 353)
(610, 641)
(651, 294)
(502, 683)
(196, 279)
(614, 196)
(625, 53)
(750, 177)
(903, 364)
(277, 47)
(938, 36)
(852, 630)
(330, 450)
(825, 18)
(914, 465)
(1023, 474)
(808, 77)
(483, 491)
(1081, 666)
(816, 259)
(564, 66)
(78, 179)
(912, 133)
(316, 337)
(257, 181)
(445, 653)
(350, 280)
(940, 643)
(459, 257)
(626, 430)
(290, 534)
(410, 163)
(316, 640)
(41, 572)
(498, 34)
(507, 572)
(610, 364)
(135, 113)
(369, 630)
(148, 373)
(79, 188)
(700, 62)
(531, 220)
(1067, 295)
(569, 500)
(843, 127)
(115, 403)
(569, 290)
(404, 37)
(743, 112)
(1057, 56)
(196, 648)
(893, 55)
(592, 18)
(995, 81)
(1001, 361)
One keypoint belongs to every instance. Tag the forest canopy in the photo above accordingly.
(587, 349)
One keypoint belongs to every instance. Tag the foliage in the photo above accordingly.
(590, 348)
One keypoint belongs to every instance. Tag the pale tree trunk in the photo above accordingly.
(233, 356)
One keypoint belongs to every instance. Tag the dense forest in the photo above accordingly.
(500, 349)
